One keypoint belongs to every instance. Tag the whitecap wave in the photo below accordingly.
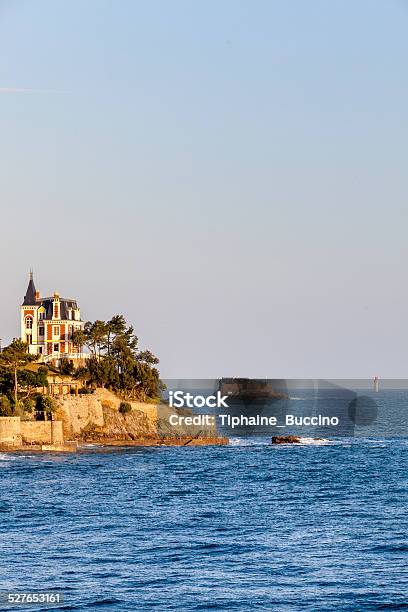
(262, 441)
(89, 445)
(315, 441)
(235, 441)
(7, 457)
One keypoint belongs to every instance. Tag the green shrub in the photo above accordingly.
(28, 404)
(125, 408)
(66, 367)
(5, 406)
(44, 406)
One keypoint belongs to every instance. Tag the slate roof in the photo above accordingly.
(65, 305)
(29, 298)
(47, 302)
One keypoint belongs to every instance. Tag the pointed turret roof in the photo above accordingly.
(29, 298)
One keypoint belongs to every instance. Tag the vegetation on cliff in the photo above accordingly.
(12, 359)
(116, 361)
(19, 382)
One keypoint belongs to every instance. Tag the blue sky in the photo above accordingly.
(229, 175)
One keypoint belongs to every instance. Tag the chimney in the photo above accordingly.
(37, 295)
(56, 306)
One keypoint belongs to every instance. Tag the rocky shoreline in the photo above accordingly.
(179, 441)
(97, 419)
(72, 447)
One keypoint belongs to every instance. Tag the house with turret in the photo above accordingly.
(48, 324)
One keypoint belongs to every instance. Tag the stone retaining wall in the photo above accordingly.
(10, 432)
(15, 432)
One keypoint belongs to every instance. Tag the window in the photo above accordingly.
(56, 347)
(40, 350)
(56, 330)
(41, 330)
(29, 322)
(29, 338)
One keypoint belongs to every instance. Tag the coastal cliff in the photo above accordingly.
(96, 418)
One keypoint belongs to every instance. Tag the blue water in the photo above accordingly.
(360, 412)
(244, 527)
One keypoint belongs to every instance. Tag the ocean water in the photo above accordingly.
(245, 527)
(361, 412)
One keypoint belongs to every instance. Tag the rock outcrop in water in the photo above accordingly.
(297, 440)
(286, 440)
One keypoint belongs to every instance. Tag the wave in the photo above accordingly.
(89, 445)
(315, 441)
(255, 441)
(7, 457)
(249, 441)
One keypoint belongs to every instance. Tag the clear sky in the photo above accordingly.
(231, 176)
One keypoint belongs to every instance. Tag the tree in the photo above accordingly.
(5, 406)
(66, 367)
(44, 407)
(29, 381)
(28, 404)
(79, 339)
(14, 357)
(96, 336)
(147, 357)
(82, 374)
(102, 371)
(116, 361)
(6, 382)
(115, 327)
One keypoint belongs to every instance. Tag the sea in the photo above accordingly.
(318, 526)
